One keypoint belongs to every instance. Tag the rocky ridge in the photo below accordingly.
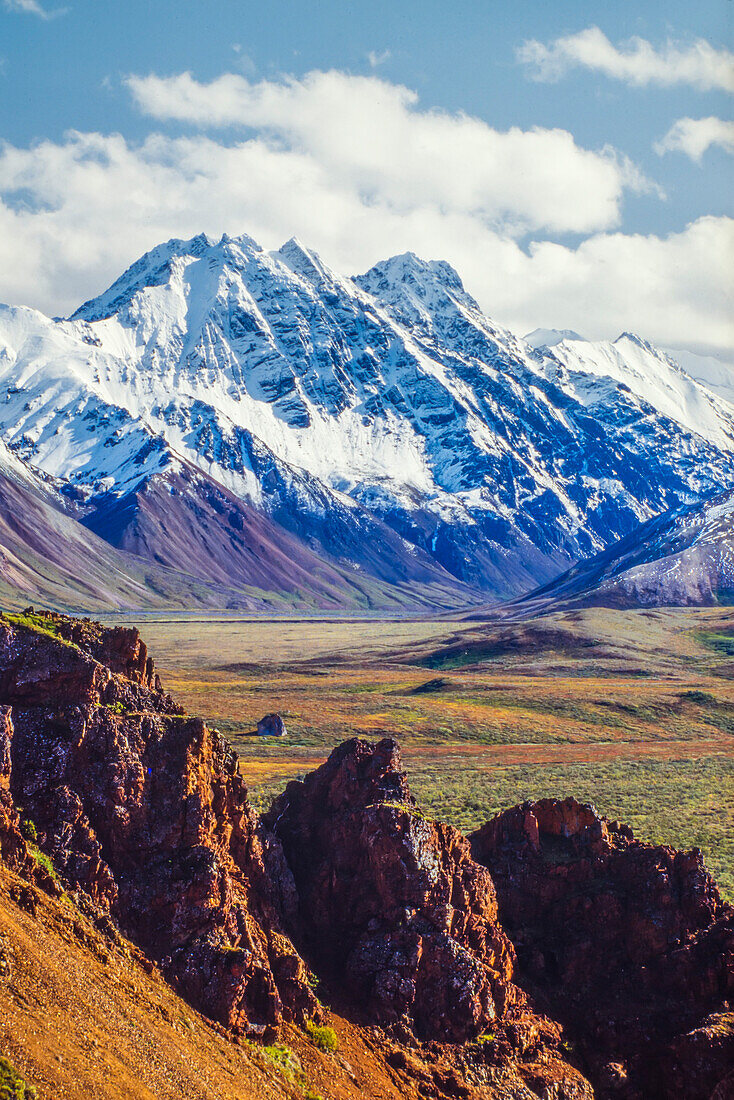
(465, 965)
(684, 557)
(141, 809)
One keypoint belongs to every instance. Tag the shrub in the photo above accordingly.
(43, 860)
(284, 1059)
(12, 1085)
(322, 1037)
(28, 829)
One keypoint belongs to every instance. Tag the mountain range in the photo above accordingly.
(228, 426)
(682, 557)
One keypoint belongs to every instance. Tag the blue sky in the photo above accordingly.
(546, 229)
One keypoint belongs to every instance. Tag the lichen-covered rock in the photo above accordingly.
(628, 944)
(142, 809)
(119, 648)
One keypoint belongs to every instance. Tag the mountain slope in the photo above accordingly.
(165, 548)
(651, 374)
(46, 556)
(683, 557)
(383, 421)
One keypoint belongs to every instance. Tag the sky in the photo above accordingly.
(573, 161)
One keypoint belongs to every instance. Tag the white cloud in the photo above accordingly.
(693, 136)
(636, 62)
(75, 213)
(377, 58)
(371, 136)
(33, 7)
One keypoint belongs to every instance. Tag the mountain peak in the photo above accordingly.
(639, 341)
(409, 268)
(152, 269)
(303, 261)
(550, 337)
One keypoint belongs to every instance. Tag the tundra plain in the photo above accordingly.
(630, 710)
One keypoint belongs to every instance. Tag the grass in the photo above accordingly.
(286, 1062)
(41, 858)
(718, 642)
(12, 1085)
(38, 623)
(324, 1038)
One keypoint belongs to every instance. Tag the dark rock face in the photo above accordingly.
(13, 848)
(394, 902)
(142, 809)
(392, 909)
(628, 944)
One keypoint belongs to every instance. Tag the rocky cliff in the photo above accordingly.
(142, 811)
(628, 944)
(477, 971)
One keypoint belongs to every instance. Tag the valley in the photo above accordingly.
(633, 710)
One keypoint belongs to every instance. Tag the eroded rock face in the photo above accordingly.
(628, 944)
(394, 903)
(13, 848)
(143, 812)
(142, 809)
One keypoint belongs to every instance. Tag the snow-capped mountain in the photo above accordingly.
(652, 375)
(382, 421)
(680, 558)
(715, 374)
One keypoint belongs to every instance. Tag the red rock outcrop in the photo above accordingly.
(13, 848)
(395, 910)
(144, 815)
(393, 898)
(119, 648)
(628, 944)
(142, 809)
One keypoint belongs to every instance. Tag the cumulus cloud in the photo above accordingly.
(635, 62)
(372, 137)
(33, 7)
(693, 136)
(75, 212)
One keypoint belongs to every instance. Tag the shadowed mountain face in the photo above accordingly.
(683, 557)
(382, 421)
(46, 555)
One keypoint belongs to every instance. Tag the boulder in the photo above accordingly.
(272, 725)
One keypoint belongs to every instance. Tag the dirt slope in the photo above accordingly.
(81, 1017)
